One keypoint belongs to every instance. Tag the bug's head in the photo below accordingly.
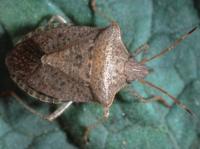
(137, 70)
(134, 70)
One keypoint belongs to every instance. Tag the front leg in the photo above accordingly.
(57, 18)
(60, 20)
(148, 99)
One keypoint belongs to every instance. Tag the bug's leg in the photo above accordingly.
(175, 100)
(93, 5)
(95, 10)
(150, 99)
(13, 94)
(49, 117)
(92, 126)
(141, 49)
(57, 18)
(58, 111)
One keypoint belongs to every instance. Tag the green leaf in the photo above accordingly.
(131, 124)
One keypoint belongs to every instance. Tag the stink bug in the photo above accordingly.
(66, 63)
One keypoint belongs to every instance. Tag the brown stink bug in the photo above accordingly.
(66, 63)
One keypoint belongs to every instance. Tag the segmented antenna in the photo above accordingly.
(172, 46)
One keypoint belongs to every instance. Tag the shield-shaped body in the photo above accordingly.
(70, 63)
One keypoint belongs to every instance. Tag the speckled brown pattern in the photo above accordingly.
(73, 63)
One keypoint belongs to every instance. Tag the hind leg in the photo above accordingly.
(49, 117)
(150, 99)
(58, 111)
(92, 126)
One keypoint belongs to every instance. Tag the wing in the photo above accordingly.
(56, 39)
(26, 69)
(55, 83)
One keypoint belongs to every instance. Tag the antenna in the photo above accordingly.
(172, 46)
